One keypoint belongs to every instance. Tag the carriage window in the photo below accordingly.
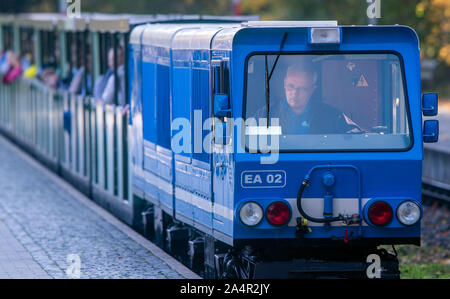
(326, 102)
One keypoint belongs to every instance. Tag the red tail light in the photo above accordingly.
(278, 213)
(380, 213)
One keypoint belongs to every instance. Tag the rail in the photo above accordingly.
(436, 173)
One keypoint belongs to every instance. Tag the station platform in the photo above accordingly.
(50, 230)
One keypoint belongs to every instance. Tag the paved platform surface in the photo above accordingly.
(46, 225)
(15, 260)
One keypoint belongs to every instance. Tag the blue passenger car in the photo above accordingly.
(294, 146)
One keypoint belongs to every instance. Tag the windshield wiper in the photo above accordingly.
(269, 76)
(267, 93)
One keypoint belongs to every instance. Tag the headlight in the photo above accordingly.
(251, 213)
(325, 35)
(408, 213)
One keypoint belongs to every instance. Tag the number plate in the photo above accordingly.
(263, 179)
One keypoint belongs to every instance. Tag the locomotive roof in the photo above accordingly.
(123, 22)
(198, 38)
(135, 36)
(200, 35)
(252, 23)
(203, 27)
(160, 35)
(220, 36)
(180, 36)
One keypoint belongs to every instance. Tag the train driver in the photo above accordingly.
(302, 111)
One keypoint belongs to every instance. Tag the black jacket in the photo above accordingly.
(321, 119)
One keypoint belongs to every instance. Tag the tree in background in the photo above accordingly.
(430, 18)
(433, 17)
(18, 6)
(217, 7)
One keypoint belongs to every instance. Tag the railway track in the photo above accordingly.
(435, 193)
(436, 167)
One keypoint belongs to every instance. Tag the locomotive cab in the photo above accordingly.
(268, 145)
(328, 153)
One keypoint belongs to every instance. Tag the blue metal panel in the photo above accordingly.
(133, 67)
(158, 157)
(163, 105)
(166, 195)
(181, 97)
(191, 100)
(400, 39)
(183, 191)
(201, 102)
(182, 92)
(223, 169)
(148, 101)
(151, 189)
(389, 175)
(135, 83)
(149, 117)
(393, 175)
(376, 180)
(164, 165)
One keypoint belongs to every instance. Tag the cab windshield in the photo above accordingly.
(326, 102)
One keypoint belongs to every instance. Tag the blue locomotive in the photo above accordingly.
(279, 149)
(253, 149)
